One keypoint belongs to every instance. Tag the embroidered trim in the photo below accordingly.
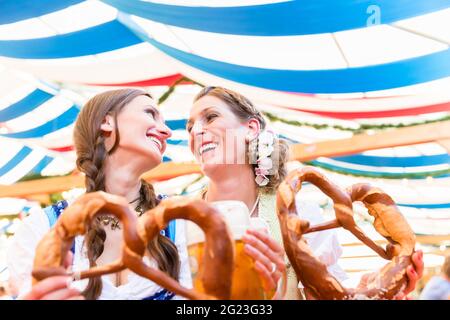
(161, 295)
(53, 212)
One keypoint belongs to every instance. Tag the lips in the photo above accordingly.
(208, 146)
(156, 141)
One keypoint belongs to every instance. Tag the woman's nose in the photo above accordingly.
(164, 130)
(198, 128)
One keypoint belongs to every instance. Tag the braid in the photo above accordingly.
(161, 248)
(91, 164)
(96, 235)
(97, 160)
(95, 239)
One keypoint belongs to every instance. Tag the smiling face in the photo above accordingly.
(142, 131)
(216, 135)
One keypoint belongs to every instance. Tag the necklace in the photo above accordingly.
(114, 221)
(134, 200)
(254, 206)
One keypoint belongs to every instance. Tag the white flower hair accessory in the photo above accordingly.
(265, 142)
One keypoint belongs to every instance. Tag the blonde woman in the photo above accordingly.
(226, 135)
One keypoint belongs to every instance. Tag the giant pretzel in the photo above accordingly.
(389, 222)
(218, 253)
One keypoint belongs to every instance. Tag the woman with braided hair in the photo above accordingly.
(118, 135)
(245, 161)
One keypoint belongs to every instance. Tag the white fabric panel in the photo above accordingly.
(22, 168)
(74, 18)
(8, 149)
(26, 29)
(134, 63)
(80, 16)
(312, 103)
(179, 153)
(42, 114)
(309, 52)
(383, 44)
(17, 94)
(58, 166)
(361, 47)
(56, 139)
(12, 87)
(434, 24)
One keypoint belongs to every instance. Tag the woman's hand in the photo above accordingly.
(414, 273)
(55, 288)
(268, 256)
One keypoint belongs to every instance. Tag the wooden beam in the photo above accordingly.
(445, 144)
(33, 188)
(41, 198)
(433, 132)
(331, 148)
(168, 170)
(432, 239)
(49, 185)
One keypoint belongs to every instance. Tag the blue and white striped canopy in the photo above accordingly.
(346, 62)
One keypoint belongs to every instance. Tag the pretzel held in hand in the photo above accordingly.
(218, 256)
(53, 247)
(218, 253)
(389, 222)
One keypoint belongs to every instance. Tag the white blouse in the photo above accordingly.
(22, 247)
(324, 244)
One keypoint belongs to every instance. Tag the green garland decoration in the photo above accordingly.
(55, 197)
(362, 127)
(36, 176)
(171, 89)
(184, 190)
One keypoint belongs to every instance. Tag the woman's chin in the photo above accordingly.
(153, 159)
(210, 167)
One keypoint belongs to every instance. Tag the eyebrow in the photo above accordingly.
(153, 107)
(190, 121)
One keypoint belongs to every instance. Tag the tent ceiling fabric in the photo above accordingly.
(330, 16)
(31, 9)
(377, 77)
(131, 64)
(331, 68)
(370, 40)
